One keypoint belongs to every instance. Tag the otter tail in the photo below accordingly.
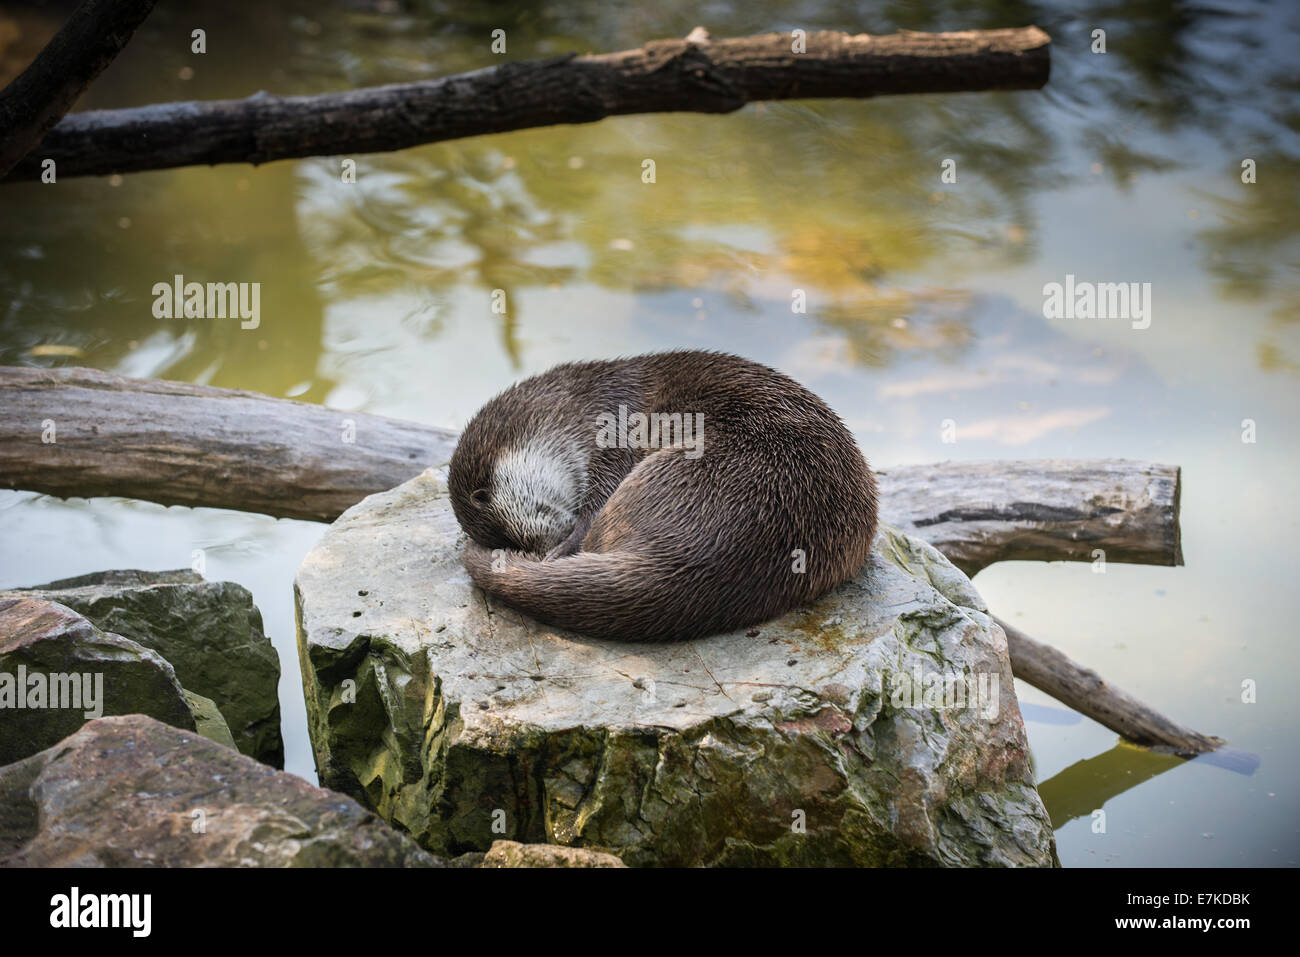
(617, 595)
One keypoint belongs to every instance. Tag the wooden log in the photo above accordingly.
(978, 513)
(261, 454)
(696, 74)
(39, 96)
(182, 444)
(1049, 670)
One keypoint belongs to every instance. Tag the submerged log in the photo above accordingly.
(1050, 670)
(696, 74)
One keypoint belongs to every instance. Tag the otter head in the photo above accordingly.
(521, 492)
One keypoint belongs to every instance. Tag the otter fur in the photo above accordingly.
(656, 537)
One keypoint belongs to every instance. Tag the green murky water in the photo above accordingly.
(925, 303)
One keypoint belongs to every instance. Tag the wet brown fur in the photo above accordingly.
(662, 546)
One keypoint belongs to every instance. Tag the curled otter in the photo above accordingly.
(661, 497)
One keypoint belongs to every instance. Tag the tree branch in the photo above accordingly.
(40, 95)
(1049, 670)
(695, 74)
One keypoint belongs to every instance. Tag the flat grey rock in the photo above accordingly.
(463, 722)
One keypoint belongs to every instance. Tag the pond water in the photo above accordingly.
(925, 303)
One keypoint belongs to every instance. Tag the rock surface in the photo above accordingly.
(211, 632)
(448, 713)
(50, 650)
(514, 854)
(208, 720)
(132, 792)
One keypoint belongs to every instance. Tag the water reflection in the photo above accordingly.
(79, 265)
(1087, 785)
(839, 199)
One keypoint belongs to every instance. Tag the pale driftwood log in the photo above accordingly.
(182, 444)
(978, 513)
(39, 96)
(696, 74)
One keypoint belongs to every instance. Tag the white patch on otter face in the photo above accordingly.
(537, 489)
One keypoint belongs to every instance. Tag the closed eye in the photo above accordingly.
(480, 496)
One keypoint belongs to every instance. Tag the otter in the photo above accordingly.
(661, 497)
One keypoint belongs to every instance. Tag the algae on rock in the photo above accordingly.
(210, 632)
(67, 672)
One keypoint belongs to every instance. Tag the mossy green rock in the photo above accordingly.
(208, 720)
(463, 722)
(68, 671)
(210, 631)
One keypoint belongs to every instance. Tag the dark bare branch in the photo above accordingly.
(696, 75)
(40, 95)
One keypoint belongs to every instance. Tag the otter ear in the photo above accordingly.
(480, 496)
